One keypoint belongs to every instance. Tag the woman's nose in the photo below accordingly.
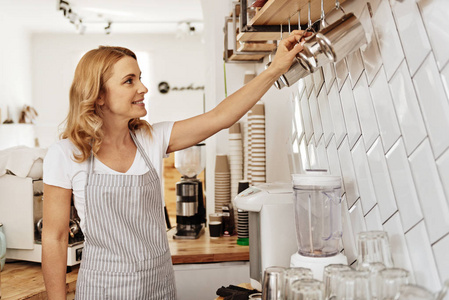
(143, 89)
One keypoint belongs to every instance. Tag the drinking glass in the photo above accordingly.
(414, 292)
(294, 274)
(373, 247)
(354, 285)
(374, 270)
(307, 289)
(331, 275)
(273, 283)
(390, 281)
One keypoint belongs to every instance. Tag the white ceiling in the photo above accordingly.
(136, 16)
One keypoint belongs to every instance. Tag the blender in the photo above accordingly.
(317, 204)
(190, 208)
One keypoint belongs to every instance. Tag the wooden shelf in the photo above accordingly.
(244, 57)
(260, 36)
(277, 12)
(256, 47)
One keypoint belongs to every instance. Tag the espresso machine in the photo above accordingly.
(190, 207)
(21, 202)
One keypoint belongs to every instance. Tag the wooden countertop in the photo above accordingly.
(23, 280)
(206, 250)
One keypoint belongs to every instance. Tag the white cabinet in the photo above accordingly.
(201, 281)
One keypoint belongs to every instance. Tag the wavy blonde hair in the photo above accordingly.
(83, 125)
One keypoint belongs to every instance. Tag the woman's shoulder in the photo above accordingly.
(158, 131)
(162, 126)
(63, 147)
(63, 144)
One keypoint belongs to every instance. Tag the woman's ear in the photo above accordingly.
(100, 100)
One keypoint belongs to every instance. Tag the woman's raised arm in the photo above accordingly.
(191, 131)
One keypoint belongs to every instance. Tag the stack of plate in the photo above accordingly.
(235, 157)
(256, 140)
(222, 182)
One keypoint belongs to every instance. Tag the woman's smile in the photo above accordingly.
(139, 102)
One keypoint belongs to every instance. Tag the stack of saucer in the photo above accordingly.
(235, 157)
(256, 133)
(222, 182)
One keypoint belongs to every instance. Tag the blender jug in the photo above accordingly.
(318, 221)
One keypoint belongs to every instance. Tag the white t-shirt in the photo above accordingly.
(61, 170)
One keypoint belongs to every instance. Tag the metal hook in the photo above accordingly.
(281, 31)
(289, 31)
(322, 9)
(323, 15)
(309, 22)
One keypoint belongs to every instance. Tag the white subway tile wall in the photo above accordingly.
(383, 105)
(316, 117)
(347, 170)
(422, 257)
(380, 119)
(403, 186)
(372, 219)
(430, 191)
(381, 180)
(326, 117)
(363, 175)
(350, 114)
(337, 113)
(412, 32)
(365, 110)
(388, 38)
(355, 66)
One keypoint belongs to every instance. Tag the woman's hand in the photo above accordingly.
(287, 50)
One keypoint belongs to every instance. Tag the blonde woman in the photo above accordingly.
(110, 161)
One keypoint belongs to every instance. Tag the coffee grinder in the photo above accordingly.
(190, 208)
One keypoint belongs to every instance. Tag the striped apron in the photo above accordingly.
(126, 253)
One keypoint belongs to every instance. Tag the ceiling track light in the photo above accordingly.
(64, 6)
(81, 27)
(107, 29)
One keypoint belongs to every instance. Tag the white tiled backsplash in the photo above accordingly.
(380, 119)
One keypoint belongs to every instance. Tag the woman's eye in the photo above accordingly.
(129, 81)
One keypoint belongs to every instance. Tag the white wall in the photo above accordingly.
(177, 61)
(378, 118)
(15, 77)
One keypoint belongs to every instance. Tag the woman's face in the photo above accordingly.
(123, 99)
